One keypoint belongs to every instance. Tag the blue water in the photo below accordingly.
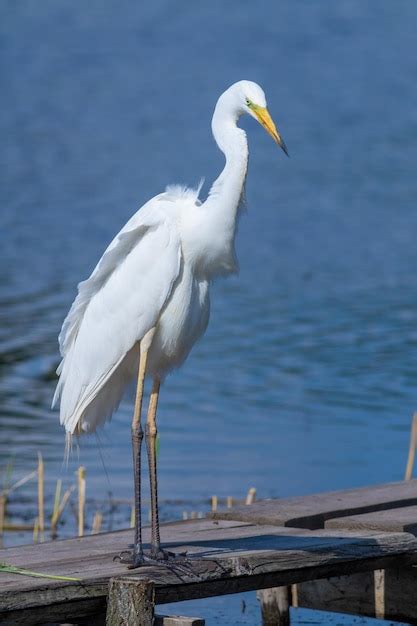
(306, 378)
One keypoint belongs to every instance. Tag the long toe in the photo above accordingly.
(158, 554)
(131, 558)
(178, 563)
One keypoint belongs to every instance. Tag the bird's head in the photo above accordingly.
(249, 97)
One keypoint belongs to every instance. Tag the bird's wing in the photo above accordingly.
(116, 306)
(148, 216)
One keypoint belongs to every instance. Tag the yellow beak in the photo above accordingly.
(266, 120)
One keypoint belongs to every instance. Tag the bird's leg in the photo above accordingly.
(137, 437)
(135, 558)
(151, 433)
(157, 553)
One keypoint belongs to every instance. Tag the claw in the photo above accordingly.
(160, 557)
(129, 558)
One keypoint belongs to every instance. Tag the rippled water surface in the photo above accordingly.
(306, 378)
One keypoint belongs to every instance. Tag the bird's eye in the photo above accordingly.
(248, 102)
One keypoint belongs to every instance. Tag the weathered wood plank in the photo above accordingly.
(313, 510)
(391, 597)
(390, 520)
(215, 542)
(116, 541)
(222, 560)
(83, 612)
(85, 557)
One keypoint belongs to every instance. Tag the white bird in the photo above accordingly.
(147, 301)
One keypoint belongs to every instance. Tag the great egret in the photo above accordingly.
(147, 300)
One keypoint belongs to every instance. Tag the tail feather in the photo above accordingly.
(101, 402)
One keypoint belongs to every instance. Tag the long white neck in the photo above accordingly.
(208, 235)
(226, 191)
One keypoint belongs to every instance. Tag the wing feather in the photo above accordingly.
(113, 310)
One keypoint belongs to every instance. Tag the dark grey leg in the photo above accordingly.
(137, 437)
(135, 558)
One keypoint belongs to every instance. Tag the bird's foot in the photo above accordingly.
(156, 556)
(160, 555)
(132, 558)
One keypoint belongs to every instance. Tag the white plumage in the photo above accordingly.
(141, 281)
(155, 273)
(147, 301)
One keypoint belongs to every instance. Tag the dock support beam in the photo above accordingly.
(131, 602)
(275, 606)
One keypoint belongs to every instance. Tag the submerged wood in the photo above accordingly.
(275, 606)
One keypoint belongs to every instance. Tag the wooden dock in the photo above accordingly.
(362, 540)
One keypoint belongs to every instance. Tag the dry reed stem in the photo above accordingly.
(41, 504)
(81, 500)
(62, 505)
(97, 520)
(2, 513)
(57, 497)
(20, 482)
(412, 449)
(36, 530)
(132, 516)
(214, 503)
(250, 498)
(17, 527)
(7, 474)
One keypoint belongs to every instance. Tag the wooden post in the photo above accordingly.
(130, 602)
(412, 450)
(2, 516)
(251, 495)
(275, 607)
(41, 511)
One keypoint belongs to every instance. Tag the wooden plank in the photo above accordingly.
(390, 520)
(362, 594)
(88, 560)
(313, 510)
(222, 560)
(82, 612)
(118, 540)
